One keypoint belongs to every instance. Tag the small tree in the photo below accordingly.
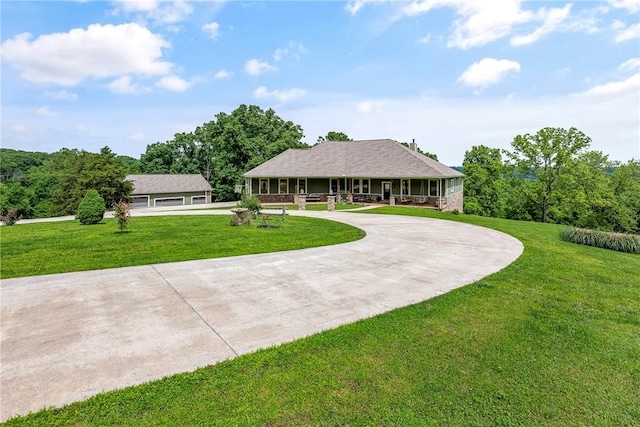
(122, 213)
(91, 209)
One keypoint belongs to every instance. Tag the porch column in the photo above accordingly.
(331, 203)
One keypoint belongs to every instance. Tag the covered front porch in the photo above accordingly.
(441, 193)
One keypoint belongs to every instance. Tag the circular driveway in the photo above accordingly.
(66, 337)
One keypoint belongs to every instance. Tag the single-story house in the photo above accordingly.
(370, 171)
(169, 190)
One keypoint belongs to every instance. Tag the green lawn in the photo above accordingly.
(58, 247)
(551, 340)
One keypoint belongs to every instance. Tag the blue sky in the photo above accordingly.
(450, 73)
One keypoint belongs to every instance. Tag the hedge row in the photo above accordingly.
(602, 239)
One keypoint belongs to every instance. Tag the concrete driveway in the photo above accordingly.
(66, 337)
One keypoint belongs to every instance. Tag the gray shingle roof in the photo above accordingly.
(178, 183)
(378, 158)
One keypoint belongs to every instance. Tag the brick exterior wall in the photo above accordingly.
(455, 202)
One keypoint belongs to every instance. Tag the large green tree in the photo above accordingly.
(80, 171)
(625, 185)
(14, 164)
(485, 184)
(542, 161)
(223, 149)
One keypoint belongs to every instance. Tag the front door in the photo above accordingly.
(386, 190)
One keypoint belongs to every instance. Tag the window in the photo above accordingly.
(283, 186)
(404, 187)
(264, 186)
(302, 185)
(361, 186)
(333, 188)
(433, 187)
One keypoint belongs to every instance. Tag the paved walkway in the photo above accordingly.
(65, 337)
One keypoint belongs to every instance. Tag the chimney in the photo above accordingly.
(413, 145)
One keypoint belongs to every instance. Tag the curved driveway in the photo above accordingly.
(65, 337)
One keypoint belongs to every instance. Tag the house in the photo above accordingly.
(169, 190)
(381, 170)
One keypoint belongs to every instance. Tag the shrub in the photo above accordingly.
(11, 217)
(122, 213)
(601, 239)
(252, 203)
(91, 208)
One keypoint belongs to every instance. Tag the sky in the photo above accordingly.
(450, 74)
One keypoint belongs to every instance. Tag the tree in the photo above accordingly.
(334, 136)
(419, 150)
(541, 161)
(91, 209)
(81, 171)
(625, 185)
(15, 196)
(122, 213)
(14, 164)
(223, 149)
(485, 184)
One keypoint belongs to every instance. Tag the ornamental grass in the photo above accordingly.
(620, 242)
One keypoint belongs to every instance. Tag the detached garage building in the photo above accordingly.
(169, 190)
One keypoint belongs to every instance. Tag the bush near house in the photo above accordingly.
(91, 209)
(601, 239)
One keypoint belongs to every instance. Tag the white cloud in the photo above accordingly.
(124, 85)
(632, 6)
(212, 29)
(629, 86)
(369, 106)
(632, 64)
(480, 22)
(255, 67)
(552, 19)
(137, 5)
(426, 39)
(629, 33)
(354, 6)
(286, 95)
(100, 51)
(294, 49)
(162, 12)
(63, 95)
(173, 83)
(45, 112)
(488, 71)
(223, 74)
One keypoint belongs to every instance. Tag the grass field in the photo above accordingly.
(551, 340)
(59, 247)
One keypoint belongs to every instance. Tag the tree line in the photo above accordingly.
(41, 185)
(552, 176)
